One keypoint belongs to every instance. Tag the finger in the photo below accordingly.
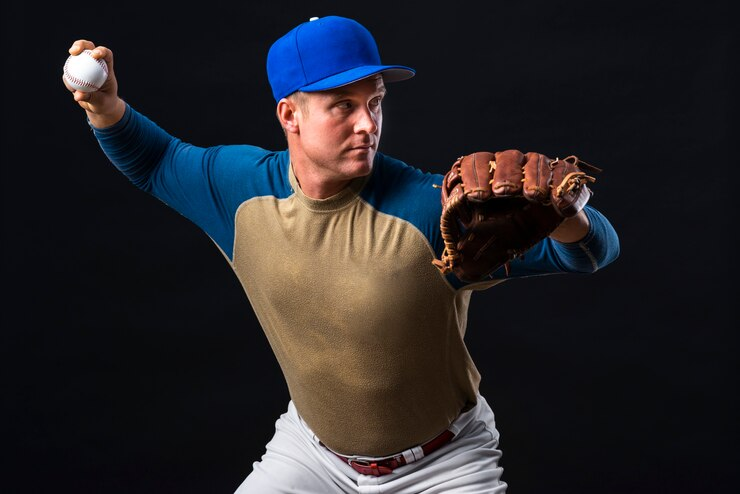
(83, 97)
(103, 52)
(80, 45)
(536, 186)
(507, 173)
(475, 170)
(569, 190)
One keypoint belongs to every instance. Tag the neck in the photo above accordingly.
(316, 186)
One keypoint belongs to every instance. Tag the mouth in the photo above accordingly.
(363, 148)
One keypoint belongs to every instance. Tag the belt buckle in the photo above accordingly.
(369, 467)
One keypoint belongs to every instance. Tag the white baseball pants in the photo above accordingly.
(296, 463)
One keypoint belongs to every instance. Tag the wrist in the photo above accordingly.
(572, 229)
(107, 117)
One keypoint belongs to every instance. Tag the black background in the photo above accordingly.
(133, 362)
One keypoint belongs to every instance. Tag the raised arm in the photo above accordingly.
(103, 107)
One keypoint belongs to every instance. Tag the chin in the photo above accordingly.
(361, 167)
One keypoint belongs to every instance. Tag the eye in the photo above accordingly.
(375, 102)
(344, 105)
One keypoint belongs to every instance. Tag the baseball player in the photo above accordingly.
(334, 243)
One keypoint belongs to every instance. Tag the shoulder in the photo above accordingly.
(403, 190)
(393, 178)
(248, 170)
(392, 172)
(246, 155)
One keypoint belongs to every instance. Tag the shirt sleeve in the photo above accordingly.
(596, 250)
(204, 184)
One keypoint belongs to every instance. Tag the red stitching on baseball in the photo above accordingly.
(80, 82)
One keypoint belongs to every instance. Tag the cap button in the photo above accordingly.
(314, 19)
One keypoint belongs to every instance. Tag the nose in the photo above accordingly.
(367, 121)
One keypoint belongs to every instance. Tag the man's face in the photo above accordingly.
(340, 128)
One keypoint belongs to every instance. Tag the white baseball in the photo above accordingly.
(85, 73)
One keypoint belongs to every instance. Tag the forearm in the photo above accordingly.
(135, 145)
(108, 116)
(599, 247)
(572, 229)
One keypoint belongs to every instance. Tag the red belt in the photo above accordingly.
(384, 466)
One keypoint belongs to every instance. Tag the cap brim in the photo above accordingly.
(391, 73)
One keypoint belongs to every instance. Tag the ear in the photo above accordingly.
(287, 114)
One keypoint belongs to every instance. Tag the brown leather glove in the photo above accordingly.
(496, 206)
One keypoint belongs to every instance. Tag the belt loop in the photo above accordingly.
(414, 454)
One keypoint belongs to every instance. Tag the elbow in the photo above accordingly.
(608, 255)
(602, 244)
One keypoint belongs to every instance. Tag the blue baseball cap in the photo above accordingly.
(325, 53)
